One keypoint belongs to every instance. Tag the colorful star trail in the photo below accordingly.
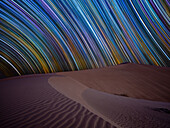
(43, 36)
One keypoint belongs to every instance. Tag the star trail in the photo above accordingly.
(43, 36)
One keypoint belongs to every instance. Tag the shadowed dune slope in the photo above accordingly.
(132, 80)
(30, 102)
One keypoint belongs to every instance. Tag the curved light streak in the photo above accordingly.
(43, 36)
(10, 64)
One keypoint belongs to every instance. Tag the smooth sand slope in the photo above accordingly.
(117, 110)
(132, 80)
(74, 90)
(129, 112)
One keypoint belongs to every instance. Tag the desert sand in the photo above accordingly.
(132, 80)
(30, 102)
(86, 99)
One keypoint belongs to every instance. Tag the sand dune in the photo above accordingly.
(132, 80)
(84, 99)
(74, 90)
(128, 112)
(119, 111)
(30, 102)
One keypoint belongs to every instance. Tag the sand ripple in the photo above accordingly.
(38, 105)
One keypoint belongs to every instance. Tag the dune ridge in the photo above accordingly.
(74, 89)
(132, 80)
(120, 111)
(98, 98)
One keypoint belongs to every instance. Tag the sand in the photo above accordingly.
(129, 112)
(85, 99)
(30, 102)
(74, 90)
(132, 80)
(117, 110)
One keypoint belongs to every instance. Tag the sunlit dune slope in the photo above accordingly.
(132, 80)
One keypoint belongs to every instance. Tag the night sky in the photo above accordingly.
(43, 36)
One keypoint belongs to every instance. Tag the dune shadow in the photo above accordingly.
(163, 110)
(125, 95)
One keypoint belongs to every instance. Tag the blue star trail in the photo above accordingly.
(43, 36)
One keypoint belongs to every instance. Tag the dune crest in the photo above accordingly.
(132, 80)
(117, 110)
(84, 99)
(74, 89)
